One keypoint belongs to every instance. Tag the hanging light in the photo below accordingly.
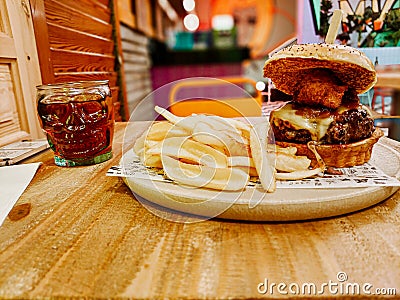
(260, 85)
(222, 22)
(189, 5)
(191, 22)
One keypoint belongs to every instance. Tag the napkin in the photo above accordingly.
(13, 182)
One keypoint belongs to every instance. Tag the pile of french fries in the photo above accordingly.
(220, 153)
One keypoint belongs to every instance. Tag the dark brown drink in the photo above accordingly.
(78, 119)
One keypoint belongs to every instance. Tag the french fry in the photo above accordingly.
(167, 115)
(175, 119)
(296, 175)
(160, 130)
(190, 150)
(233, 146)
(249, 170)
(220, 153)
(152, 161)
(289, 150)
(203, 133)
(242, 161)
(228, 127)
(265, 168)
(152, 144)
(224, 179)
(138, 147)
(289, 163)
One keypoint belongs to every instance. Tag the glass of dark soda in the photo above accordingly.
(78, 119)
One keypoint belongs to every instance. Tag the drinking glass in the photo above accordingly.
(78, 119)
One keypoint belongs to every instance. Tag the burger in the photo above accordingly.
(324, 81)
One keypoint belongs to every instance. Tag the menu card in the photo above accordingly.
(15, 152)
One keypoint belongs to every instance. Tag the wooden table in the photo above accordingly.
(87, 236)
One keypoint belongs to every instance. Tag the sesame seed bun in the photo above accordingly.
(351, 66)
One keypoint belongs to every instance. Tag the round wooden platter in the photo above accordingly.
(252, 204)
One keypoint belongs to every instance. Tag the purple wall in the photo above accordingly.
(162, 76)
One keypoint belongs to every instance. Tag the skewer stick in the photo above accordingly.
(334, 26)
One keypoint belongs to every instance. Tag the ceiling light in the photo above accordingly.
(260, 85)
(191, 22)
(222, 22)
(189, 5)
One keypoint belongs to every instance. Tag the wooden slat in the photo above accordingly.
(142, 111)
(104, 2)
(137, 81)
(135, 77)
(10, 125)
(65, 77)
(82, 42)
(66, 61)
(7, 49)
(65, 38)
(137, 65)
(42, 40)
(135, 58)
(89, 7)
(124, 110)
(138, 95)
(117, 104)
(138, 85)
(137, 48)
(127, 34)
(61, 15)
(144, 17)
(136, 68)
(125, 13)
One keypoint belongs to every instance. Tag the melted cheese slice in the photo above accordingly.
(316, 123)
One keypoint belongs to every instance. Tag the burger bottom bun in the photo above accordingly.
(340, 155)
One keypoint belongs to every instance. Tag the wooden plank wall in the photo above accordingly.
(136, 61)
(78, 40)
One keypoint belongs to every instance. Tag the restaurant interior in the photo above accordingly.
(90, 229)
(143, 45)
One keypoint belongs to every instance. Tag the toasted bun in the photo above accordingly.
(343, 155)
(351, 66)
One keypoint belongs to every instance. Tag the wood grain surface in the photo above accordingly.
(86, 236)
(80, 40)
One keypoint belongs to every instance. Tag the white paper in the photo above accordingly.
(359, 176)
(13, 182)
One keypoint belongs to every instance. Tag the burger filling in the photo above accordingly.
(320, 87)
(350, 122)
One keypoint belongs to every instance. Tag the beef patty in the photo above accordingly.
(341, 126)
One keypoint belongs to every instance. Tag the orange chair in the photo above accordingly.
(383, 93)
(213, 96)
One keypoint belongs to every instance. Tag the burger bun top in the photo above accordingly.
(351, 66)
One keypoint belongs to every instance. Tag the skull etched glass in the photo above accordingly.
(78, 119)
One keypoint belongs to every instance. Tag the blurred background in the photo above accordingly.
(143, 46)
